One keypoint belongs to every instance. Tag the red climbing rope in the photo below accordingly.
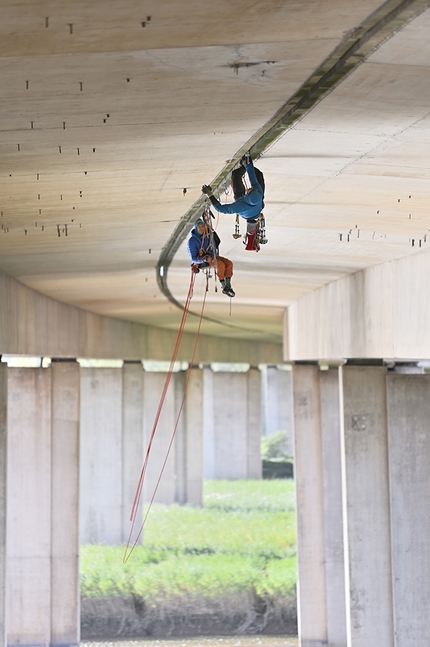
(137, 497)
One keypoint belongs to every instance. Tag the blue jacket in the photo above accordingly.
(249, 206)
(197, 250)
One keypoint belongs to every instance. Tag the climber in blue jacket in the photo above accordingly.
(250, 204)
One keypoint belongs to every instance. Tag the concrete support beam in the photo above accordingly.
(232, 425)
(372, 313)
(65, 605)
(367, 507)
(3, 500)
(408, 400)
(33, 324)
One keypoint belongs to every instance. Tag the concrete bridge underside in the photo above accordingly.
(112, 117)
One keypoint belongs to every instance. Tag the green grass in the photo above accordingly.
(243, 539)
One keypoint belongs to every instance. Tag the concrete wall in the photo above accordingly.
(378, 312)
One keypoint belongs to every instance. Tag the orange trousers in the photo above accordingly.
(224, 267)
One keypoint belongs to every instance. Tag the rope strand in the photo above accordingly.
(130, 547)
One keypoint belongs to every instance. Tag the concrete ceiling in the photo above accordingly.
(109, 111)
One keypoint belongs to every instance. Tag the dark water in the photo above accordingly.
(225, 641)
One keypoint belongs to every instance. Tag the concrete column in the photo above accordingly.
(279, 414)
(193, 418)
(254, 467)
(367, 507)
(101, 509)
(3, 499)
(132, 440)
(236, 436)
(209, 466)
(65, 607)
(333, 516)
(311, 549)
(152, 391)
(180, 443)
(230, 414)
(29, 507)
(408, 399)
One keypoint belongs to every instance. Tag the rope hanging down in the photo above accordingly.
(131, 545)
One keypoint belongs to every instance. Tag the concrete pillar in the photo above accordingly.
(193, 428)
(321, 586)
(408, 399)
(235, 402)
(29, 507)
(253, 427)
(311, 549)
(332, 507)
(132, 440)
(367, 507)
(180, 443)
(152, 391)
(65, 607)
(101, 501)
(279, 412)
(209, 465)
(3, 499)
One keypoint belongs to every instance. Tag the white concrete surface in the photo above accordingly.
(111, 120)
(102, 149)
